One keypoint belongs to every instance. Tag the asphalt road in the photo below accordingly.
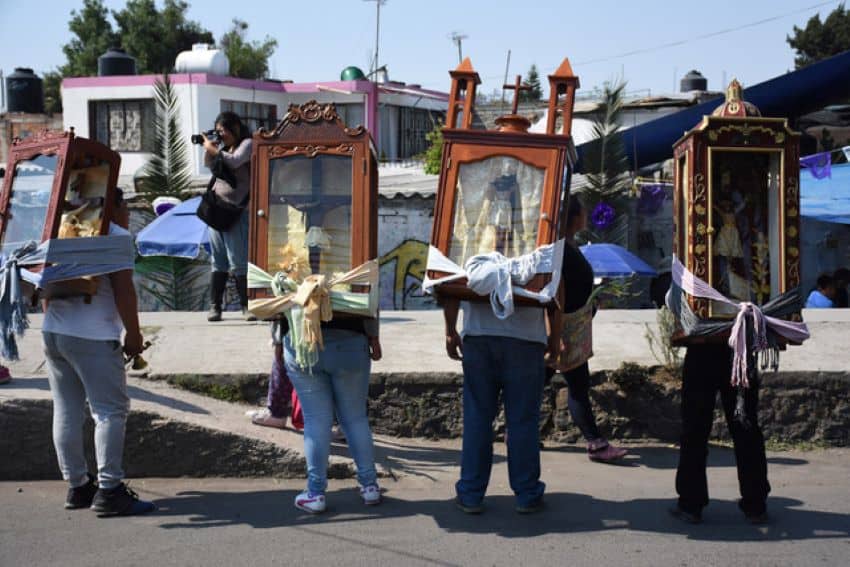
(595, 515)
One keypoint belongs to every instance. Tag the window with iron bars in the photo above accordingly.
(253, 114)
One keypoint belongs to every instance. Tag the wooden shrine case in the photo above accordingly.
(737, 205)
(57, 185)
(501, 190)
(314, 194)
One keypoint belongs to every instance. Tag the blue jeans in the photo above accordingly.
(229, 250)
(515, 368)
(339, 382)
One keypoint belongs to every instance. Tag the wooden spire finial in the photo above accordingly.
(562, 83)
(464, 82)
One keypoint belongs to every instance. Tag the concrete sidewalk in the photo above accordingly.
(413, 343)
(595, 515)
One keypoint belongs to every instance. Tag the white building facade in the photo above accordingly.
(119, 111)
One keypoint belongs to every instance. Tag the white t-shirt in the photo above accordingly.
(526, 323)
(97, 321)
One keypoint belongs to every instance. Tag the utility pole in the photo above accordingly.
(457, 38)
(507, 68)
(378, 3)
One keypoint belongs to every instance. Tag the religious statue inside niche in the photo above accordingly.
(84, 200)
(497, 206)
(504, 203)
(310, 221)
(741, 248)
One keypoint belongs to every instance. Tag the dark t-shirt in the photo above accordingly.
(840, 297)
(578, 278)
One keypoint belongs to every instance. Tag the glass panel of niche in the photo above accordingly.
(82, 209)
(497, 208)
(684, 199)
(310, 214)
(32, 186)
(745, 200)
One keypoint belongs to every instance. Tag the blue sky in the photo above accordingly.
(317, 39)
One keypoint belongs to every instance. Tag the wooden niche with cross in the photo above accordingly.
(314, 195)
(503, 189)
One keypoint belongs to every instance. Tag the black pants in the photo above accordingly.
(578, 400)
(707, 369)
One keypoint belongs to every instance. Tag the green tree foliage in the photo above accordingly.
(177, 283)
(248, 59)
(607, 180)
(155, 37)
(52, 83)
(821, 39)
(434, 153)
(167, 171)
(532, 79)
(93, 35)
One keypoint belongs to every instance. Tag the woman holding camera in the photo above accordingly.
(231, 157)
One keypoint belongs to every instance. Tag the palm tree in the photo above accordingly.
(175, 282)
(167, 172)
(608, 179)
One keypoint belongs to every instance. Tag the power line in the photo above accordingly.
(707, 35)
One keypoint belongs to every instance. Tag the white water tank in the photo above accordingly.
(202, 59)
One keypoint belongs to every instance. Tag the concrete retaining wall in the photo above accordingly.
(632, 402)
(155, 447)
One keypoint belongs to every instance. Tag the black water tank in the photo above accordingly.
(115, 62)
(693, 81)
(24, 92)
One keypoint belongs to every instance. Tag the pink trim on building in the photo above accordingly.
(207, 79)
(359, 86)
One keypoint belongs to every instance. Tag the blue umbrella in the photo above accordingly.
(613, 261)
(178, 232)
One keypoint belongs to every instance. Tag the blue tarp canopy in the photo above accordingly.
(613, 261)
(790, 95)
(179, 232)
(826, 199)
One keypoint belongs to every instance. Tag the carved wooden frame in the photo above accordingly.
(310, 130)
(68, 148)
(745, 134)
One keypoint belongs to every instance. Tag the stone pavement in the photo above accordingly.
(595, 515)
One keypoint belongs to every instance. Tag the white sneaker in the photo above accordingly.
(337, 434)
(311, 502)
(371, 494)
(265, 418)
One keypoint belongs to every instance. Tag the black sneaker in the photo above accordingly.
(755, 518)
(532, 507)
(685, 516)
(81, 496)
(473, 509)
(120, 501)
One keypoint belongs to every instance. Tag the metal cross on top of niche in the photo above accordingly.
(517, 87)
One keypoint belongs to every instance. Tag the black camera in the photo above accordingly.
(211, 135)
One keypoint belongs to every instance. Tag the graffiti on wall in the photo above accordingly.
(402, 272)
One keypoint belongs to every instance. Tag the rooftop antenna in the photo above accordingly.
(378, 4)
(457, 38)
(507, 67)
